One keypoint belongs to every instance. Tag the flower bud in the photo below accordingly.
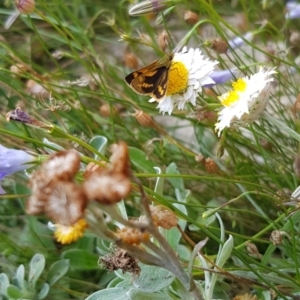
(211, 166)
(132, 236)
(190, 17)
(163, 217)
(219, 45)
(144, 119)
(131, 60)
(25, 6)
(163, 40)
(252, 250)
(17, 69)
(149, 6)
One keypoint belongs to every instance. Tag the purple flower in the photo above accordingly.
(12, 161)
(221, 76)
(293, 10)
(238, 41)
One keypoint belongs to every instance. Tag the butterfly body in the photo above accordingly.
(152, 80)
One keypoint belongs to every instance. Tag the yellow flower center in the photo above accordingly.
(69, 234)
(178, 78)
(234, 95)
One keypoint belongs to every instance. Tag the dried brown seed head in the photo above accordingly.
(219, 45)
(252, 250)
(163, 217)
(132, 236)
(131, 60)
(190, 17)
(144, 119)
(121, 260)
(163, 40)
(245, 297)
(211, 166)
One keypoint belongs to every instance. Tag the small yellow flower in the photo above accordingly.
(246, 101)
(69, 234)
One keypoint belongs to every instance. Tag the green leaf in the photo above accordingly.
(57, 270)
(36, 268)
(20, 277)
(176, 182)
(159, 185)
(4, 283)
(225, 252)
(81, 259)
(44, 291)
(139, 160)
(117, 293)
(153, 279)
(13, 292)
(99, 142)
(136, 294)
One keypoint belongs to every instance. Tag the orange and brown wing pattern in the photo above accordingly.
(153, 79)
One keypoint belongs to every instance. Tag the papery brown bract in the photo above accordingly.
(66, 203)
(110, 184)
(54, 192)
(120, 159)
(163, 217)
(62, 165)
(107, 188)
(132, 236)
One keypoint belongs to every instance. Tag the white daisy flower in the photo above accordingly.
(246, 101)
(188, 73)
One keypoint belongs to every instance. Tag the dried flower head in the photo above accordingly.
(19, 115)
(163, 40)
(144, 119)
(66, 202)
(211, 166)
(219, 45)
(252, 250)
(245, 297)
(163, 217)
(69, 234)
(131, 60)
(25, 6)
(110, 184)
(190, 17)
(132, 236)
(62, 165)
(120, 260)
(54, 192)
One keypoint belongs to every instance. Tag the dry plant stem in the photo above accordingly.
(113, 212)
(172, 263)
(98, 226)
(140, 254)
